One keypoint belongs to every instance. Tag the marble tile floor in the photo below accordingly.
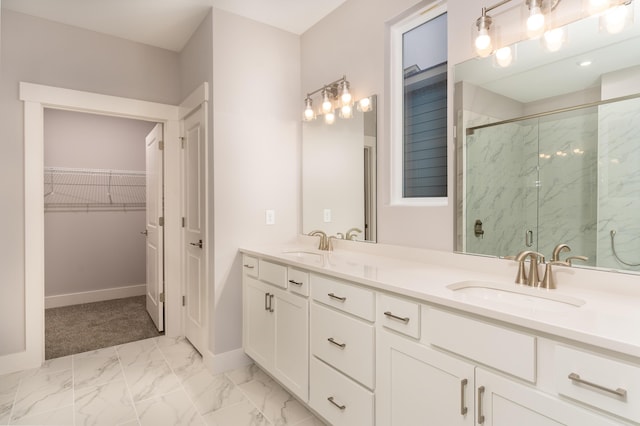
(158, 381)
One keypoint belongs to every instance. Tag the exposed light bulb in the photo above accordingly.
(596, 6)
(504, 57)
(329, 118)
(615, 19)
(346, 111)
(345, 97)
(327, 105)
(309, 114)
(365, 104)
(553, 39)
(483, 43)
(535, 22)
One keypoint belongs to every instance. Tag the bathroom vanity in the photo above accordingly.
(367, 339)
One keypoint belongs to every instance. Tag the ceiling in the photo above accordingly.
(170, 23)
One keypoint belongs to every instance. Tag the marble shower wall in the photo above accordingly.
(619, 184)
(534, 175)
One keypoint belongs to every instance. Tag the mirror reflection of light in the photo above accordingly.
(553, 39)
(329, 118)
(504, 57)
(561, 154)
(615, 19)
(615, 161)
(597, 6)
(584, 63)
(578, 151)
(365, 104)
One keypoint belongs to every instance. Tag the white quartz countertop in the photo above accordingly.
(607, 319)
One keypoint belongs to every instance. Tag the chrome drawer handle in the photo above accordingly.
(248, 266)
(622, 393)
(340, 345)
(333, 296)
(395, 317)
(341, 407)
(295, 282)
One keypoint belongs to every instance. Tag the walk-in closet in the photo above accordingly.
(95, 253)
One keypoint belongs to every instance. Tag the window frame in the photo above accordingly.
(396, 92)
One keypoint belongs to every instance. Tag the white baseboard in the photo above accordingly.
(94, 296)
(219, 363)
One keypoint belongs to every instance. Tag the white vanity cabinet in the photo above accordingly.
(276, 326)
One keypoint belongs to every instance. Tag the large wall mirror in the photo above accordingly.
(339, 176)
(549, 148)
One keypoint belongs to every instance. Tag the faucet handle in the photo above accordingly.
(559, 249)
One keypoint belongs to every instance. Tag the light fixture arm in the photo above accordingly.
(332, 87)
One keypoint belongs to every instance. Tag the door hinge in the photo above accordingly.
(161, 145)
(162, 297)
(182, 142)
(183, 222)
(161, 221)
(184, 301)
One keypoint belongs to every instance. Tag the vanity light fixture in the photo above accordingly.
(535, 20)
(553, 40)
(333, 95)
(616, 17)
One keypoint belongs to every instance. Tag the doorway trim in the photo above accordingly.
(38, 97)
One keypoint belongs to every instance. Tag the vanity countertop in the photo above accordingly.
(609, 320)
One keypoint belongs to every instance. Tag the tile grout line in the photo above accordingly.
(126, 384)
(249, 399)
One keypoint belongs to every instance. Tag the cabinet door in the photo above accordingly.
(420, 386)
(503, 402)
(291, 316)
(258, 335)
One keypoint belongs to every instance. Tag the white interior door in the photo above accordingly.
(154, 230)
(195, 244)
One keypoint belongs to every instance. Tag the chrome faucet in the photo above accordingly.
(324, 241)
(352, 233)
(533, 278)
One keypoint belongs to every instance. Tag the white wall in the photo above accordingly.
(39, 51)
(93, 250)
(256, 134)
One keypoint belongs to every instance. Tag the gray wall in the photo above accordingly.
(39, 51)
(93, 250)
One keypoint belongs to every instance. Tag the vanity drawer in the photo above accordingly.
(273, 273)
(298, 281)
(351, 347)
(355, 300)
(337, 398)
(501, 348)
(399, 314)
(250, 266)
(602, 382)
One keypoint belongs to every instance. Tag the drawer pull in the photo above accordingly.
(341, 407)
(463, 405)
(295, 282)
(248, 266)
(266, 301)
(340, 345)
(271, 303)
(622, 393)
(395, 317)
(480, 410)
(333, 296)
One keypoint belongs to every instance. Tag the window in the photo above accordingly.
(419, 109)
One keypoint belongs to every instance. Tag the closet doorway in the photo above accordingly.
(103, 240)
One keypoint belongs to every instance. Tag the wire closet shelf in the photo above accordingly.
(67, 189)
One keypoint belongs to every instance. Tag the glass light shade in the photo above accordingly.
(504, 56)
(309, 113)
(483, 43)
(535, 22)
(327, 105)
(597, 6)
(329, 118)
(346, 111)
(615, 19)
(364, 104)
(345, 96)
(553, 39)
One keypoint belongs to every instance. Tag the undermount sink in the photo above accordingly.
(305, 255)
(515, 295)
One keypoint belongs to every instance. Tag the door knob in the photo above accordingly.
(198, 244)
(145, 232)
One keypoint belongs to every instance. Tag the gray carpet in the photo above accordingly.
(90, 326)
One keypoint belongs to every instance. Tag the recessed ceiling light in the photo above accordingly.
(584, 63)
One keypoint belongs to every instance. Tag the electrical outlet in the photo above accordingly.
(327, 215)
(270, 217)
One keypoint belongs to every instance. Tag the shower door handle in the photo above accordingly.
(528, 238)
